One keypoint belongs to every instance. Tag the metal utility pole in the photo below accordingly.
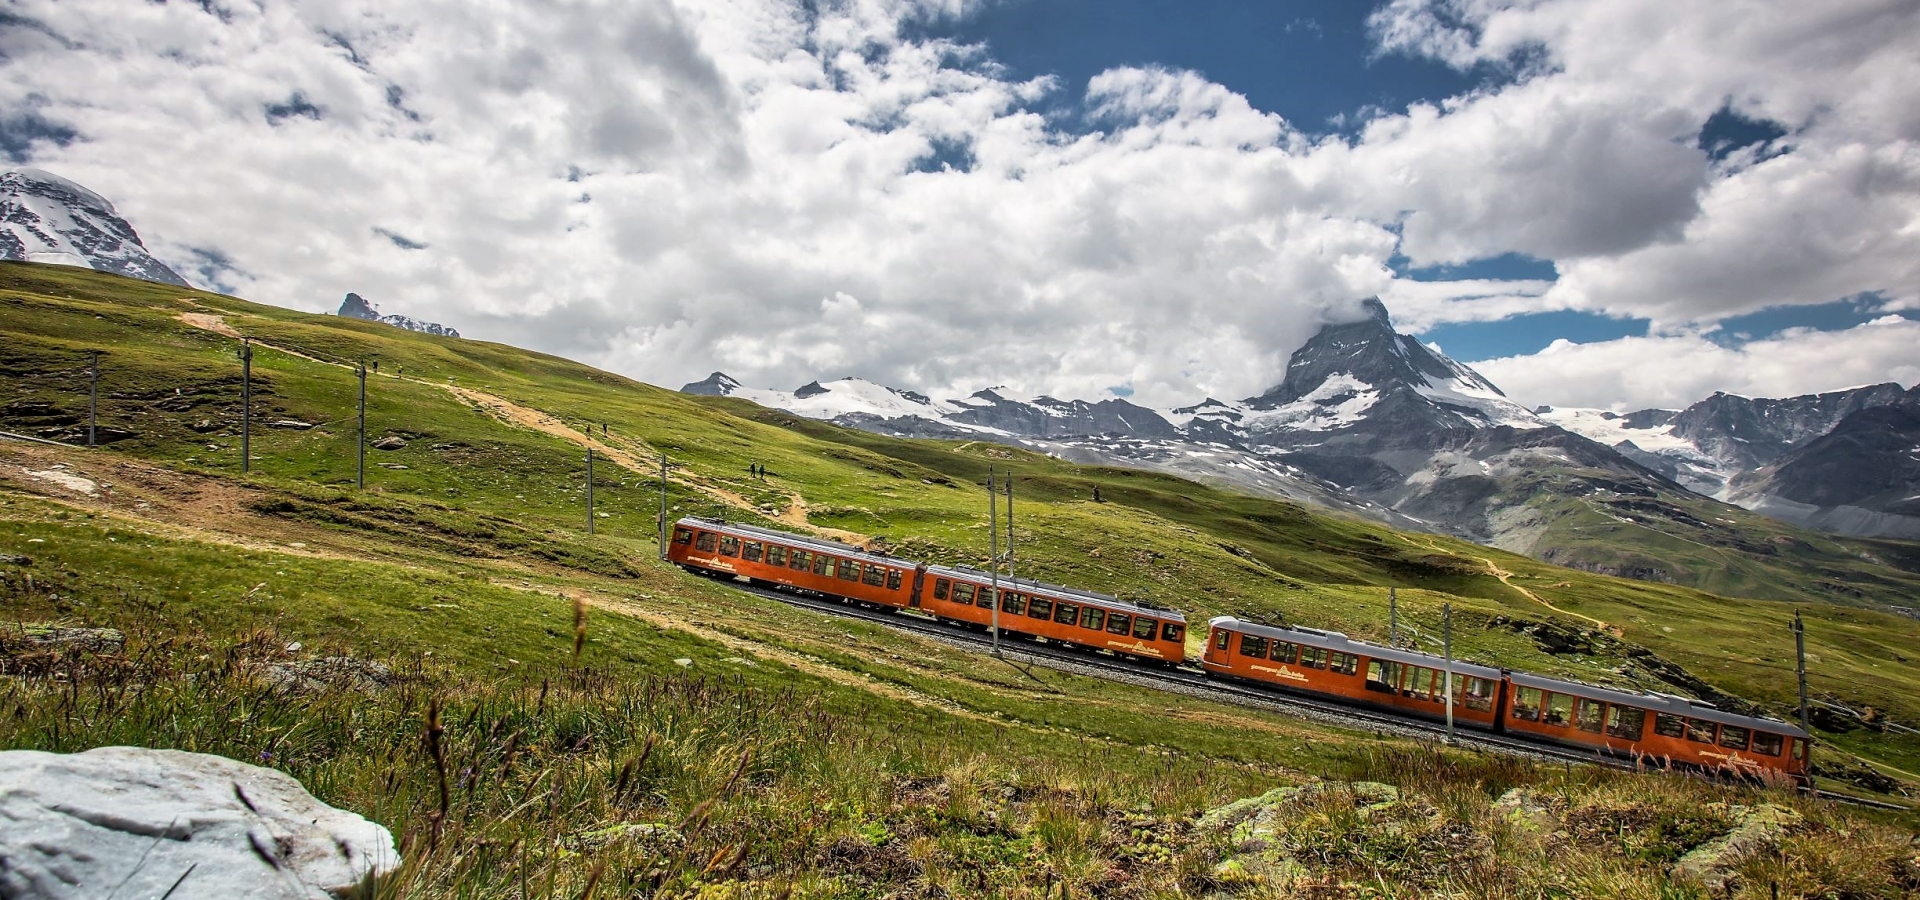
(663, 506)
(993, 557)
(1446, 643)
(1013, 583)
(1800, 653)
(589, 481)
(360, 459)
(1393, 618)
(93, 393)
(246, 405)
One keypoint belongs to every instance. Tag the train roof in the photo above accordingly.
(1666, 703)
(1056, 591)
(1061, 592)
(1334, 640)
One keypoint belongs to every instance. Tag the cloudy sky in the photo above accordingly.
(1618, 203)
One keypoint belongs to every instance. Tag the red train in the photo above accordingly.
(1659, 730)
(1028, 609)
(1656, 729)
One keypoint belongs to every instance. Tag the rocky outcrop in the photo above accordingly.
(719, 384)
(134, 822)
(1714, 864)
(1254, 829)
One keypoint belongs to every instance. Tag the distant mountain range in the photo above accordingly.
(1374, 422)
(48, 219)
(355, 306)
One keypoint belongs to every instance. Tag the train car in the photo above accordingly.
(1655, 729)
(777, 557)
(1329, 664)
(1057, 613)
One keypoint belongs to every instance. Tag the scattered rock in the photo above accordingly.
(651, 839)
(1714, 864)
(134, 822)
(683, 662)
(205, 426)
(15, 560)
(390, 442)
(291, 424)
(315, 675)
(1525, 810)
(55, 637)
(1254, 828)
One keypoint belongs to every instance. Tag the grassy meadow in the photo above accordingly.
(603, 722)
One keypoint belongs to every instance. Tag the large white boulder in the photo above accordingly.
(138, 823)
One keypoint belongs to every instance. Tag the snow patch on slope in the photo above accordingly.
(1339, 401)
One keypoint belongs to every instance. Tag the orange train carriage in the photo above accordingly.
(957, 594)
(1657, 729)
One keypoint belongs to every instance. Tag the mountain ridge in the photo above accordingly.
(49, 219)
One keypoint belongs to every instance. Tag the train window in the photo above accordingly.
(706, 542)
(1378, 674)
(1120, 623)
(729, 545)
(1255, 647)
(893, 579)
(1343, 663)
(1173, 631)
(1478, 694)
(849, 570)
(683, 535)
(875, 575)
(1559, 709)
(776, 555)
(1766, 744)
(1145, 629)
(1734, 737)
(940, 586)
(984, 598)
(822, 564)
(1066, 613)
(1699, 732)
(1095, 618)
(1040, 608)
(1420, 684)
(1625, 722)
(1220, 639)
(1800, 749)
(1013, 603)
(798, 560)
(1526, 703)
(1284, 652)
(1669, 725)
(963, 594)
(750, 551)
(1590, 715)
(1314, 657)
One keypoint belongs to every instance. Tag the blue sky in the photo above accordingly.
(1621, 203)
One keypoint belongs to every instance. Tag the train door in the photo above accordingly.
(919, 581)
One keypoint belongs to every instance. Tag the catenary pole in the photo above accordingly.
(1393, 618)
(360, 459)
(246, 405)
(993, 557)
(663, 506)
(589, 480)
(93, 395)
(1800, 654)
(1012, 583)
(1446, 644)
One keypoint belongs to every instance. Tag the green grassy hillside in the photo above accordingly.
(468, 550)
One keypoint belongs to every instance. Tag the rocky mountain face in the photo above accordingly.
(1861, 477)
(47, 219)
(715, 385)
(358, 307)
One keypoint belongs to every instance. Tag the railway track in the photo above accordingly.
(1190, 680)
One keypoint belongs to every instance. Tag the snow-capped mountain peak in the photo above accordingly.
(48, 219)
(358, 307)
